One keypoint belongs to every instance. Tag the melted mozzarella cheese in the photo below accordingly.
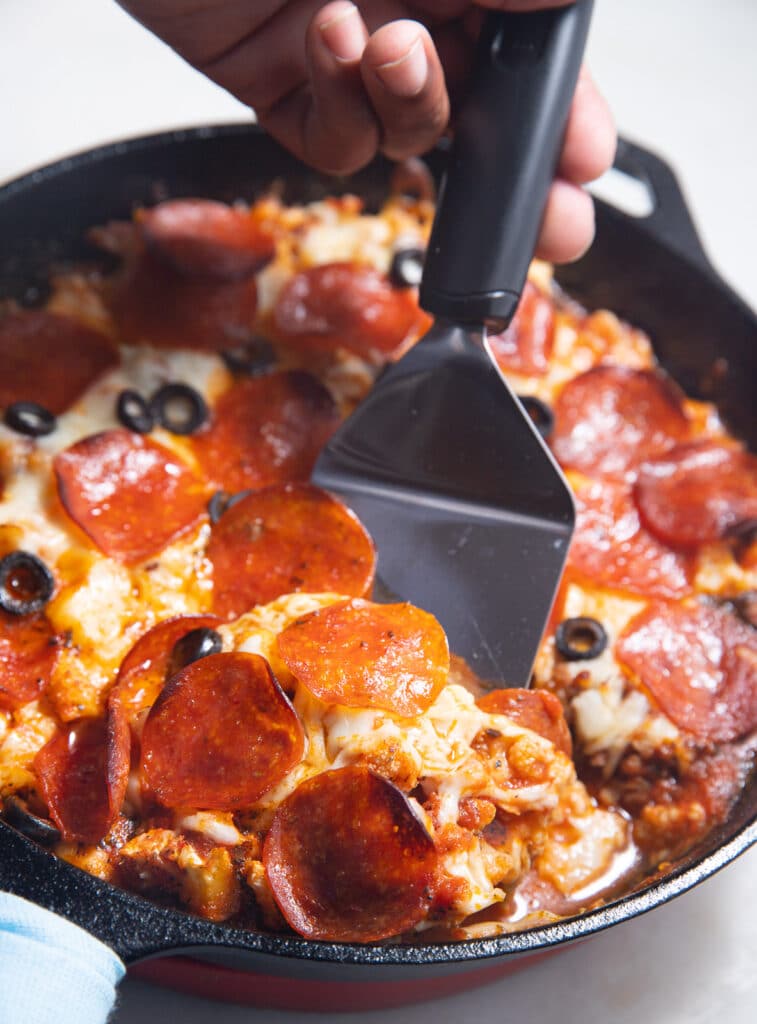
(217, 826)
(143, 370)
(25, 508)
(435, 749)
(581, 849)
(31, 729)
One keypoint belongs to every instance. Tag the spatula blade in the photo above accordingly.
(470, 514)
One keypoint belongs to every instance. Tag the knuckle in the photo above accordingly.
(338, 156)
(408, 132)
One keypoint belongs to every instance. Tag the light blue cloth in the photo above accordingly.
(52, 971)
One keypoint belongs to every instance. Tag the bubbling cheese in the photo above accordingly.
(435, 750)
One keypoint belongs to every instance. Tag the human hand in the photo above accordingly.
(339, 82)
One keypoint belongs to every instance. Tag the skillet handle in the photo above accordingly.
(502, 162)
(132, 927)
(670, 220)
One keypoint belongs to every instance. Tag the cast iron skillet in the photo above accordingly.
(652, 271)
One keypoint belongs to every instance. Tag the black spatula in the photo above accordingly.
(470, 514)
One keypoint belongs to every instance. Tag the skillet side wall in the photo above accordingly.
(668, 290)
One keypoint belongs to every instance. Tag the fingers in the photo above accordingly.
(385, 92)
(589, 148)
(340, 130)
(567, 229)
(590, 136)
(404, 80)
(362, 93)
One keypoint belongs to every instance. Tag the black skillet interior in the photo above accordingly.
(652, 271)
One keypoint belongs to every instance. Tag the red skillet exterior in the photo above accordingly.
(654, 272)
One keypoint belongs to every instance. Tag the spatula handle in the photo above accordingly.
(502, 162)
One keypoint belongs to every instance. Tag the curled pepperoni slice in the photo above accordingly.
(50, 359)
(130, 495)
(71, 773)
(153, 304)
(611, 548)
(143, 671)
(266, 430)
(347, 859)
(284, 539)
(537, 710)
(140, 679)
(220, 735)
(526, 345)
(344, 305)
(117, 757)
(390, 656)
(611, 418)
(697, 493)
(700, 665)
(202, 238)
(28, 652)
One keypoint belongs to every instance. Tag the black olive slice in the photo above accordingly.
(26, 584)
(222, 501)
(580, 639)
(746, 607)
(30, 418)
(540, 413)
(134, 412)
(179, 408)
(18, 816)
(406, 269)
(250, 359)
(742, 536)
(217, 505)
(196, 644)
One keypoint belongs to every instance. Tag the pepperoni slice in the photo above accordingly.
(347, 860)
(611, 418)
(700, 665)
(537, 710)
(266, 430)
(153, 304)
(130, 495)
(143, 671)
(390, 656)
(220, 735)
(71, 773)
(344, 305)
(140, 679)
(611, 548)
(202, 238)
(286, 539)
(28, 652)
(117, 757)
(697, 493)
(50, 359)
(526, 345)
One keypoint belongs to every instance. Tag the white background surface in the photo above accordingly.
(681, 76)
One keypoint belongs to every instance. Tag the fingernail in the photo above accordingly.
(344, 36)
(406, 76)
